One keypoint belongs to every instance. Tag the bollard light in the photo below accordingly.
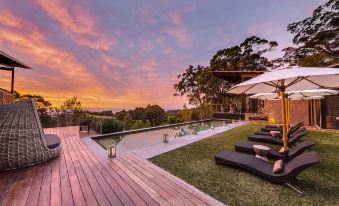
(112, 151)
(165, 138)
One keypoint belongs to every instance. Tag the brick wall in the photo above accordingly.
(299, 110)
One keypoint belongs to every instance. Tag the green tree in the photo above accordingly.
(139, 113)
(247, 56)
(41, 104)
(121, 115)
(72, 105)
(128, 121)
(71, 111)
(155, 114)
(316, 38)
(199, 85)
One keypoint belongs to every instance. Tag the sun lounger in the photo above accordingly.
(22, 140)
(264, 169)
(268, 129)
(276, 140)
(274, 153)
(289, 133)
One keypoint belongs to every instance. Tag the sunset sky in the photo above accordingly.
(122, 54)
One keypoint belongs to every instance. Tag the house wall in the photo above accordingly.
(5, 97)
(332, 112)
(299, 110)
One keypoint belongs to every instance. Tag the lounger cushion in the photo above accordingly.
(277, 167)
(52, 141)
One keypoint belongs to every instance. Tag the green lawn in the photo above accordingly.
(195, 164)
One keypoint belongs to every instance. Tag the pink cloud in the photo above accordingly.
(178, 30)
(25, 38)
(77, 22)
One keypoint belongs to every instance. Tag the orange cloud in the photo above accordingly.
(77, 22)
(26, 39)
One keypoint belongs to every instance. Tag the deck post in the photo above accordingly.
(12, 83)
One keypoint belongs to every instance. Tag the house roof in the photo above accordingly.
(10, 62)
(236, 76)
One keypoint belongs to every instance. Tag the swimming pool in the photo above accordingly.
(142, 139)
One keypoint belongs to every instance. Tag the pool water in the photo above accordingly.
(147, 138)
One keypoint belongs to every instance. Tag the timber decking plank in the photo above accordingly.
(25, 187)
(77, 194)
(159, 177)
(162, 190)
(19, 185)
(34, 192)
(65, 185)
(45, 189)
(121, 188)
(207, 200)
(101, 189)
(55, 183)
(141, 193)
(166, 185)
(84, 184)
(78, 176)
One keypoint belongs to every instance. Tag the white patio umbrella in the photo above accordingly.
(286, 80)
(296, 95)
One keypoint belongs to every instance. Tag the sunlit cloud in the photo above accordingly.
(122, 54)
(77, 22)
(177, 30)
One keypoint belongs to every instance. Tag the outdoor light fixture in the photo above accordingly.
(165, 138)
(112, 151)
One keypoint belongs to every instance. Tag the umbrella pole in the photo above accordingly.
(287, 113)
(284, 121)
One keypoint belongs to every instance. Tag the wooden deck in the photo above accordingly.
(80, 177)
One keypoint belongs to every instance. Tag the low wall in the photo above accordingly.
(225, 115)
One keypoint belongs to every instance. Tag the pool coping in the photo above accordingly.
(149, 128)
(160, 148)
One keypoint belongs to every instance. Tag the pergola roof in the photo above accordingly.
(236, 76)
(10, 62)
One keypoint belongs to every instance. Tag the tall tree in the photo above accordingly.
(198, 84)
(247, 56)
(155, 114)
(72, 105)
(41, 104)
(316, 38)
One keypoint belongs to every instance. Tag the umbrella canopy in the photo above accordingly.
(289, 79)
(296, 95)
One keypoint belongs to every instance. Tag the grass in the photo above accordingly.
(195, 164)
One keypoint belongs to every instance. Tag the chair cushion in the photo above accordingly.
(52, 141)
(277, 167)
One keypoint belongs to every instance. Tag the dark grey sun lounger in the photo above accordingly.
(268, 129)
(274, 153)
(276, 140)
(289, 133)
(264, 169)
